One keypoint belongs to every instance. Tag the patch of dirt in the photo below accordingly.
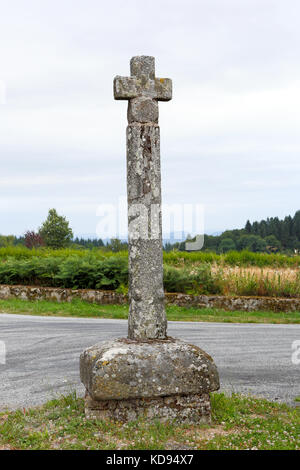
(206, 434)
(107, 438)
(3, 418)
(173, 445)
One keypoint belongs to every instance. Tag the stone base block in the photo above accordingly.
(190, 409)
(155, 379)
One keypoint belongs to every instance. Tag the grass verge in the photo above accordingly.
(238, 423)
(79, 308)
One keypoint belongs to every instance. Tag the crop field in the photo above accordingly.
(252, 280)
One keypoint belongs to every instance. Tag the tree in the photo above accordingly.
(296, 224)
(7, 240)
(227, 244)
(116, 245)
(255, 228)
(263, 229)
(252, 243)
(33, 240)
(55, 231)
(272, 243)
(248, 226)
(211, 242)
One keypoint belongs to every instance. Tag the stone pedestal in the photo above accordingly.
(169, 380)
(191, 409)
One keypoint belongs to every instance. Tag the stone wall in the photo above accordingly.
(61, 295)
(248, 304)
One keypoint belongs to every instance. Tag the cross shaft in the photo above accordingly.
(147, 317)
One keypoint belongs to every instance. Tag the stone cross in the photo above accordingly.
(147, 317)
(148, 375)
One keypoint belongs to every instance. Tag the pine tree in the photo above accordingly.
(248, 226)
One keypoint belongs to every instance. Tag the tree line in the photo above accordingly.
(271, 235)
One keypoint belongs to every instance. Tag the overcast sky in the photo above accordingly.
(230, 137)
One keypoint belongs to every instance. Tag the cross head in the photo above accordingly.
(142, 89)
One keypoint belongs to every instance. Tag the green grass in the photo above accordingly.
(238, 423)
(174, 258)
(79, 308)
(21, 252)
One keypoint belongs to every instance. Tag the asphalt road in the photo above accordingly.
(43, 352)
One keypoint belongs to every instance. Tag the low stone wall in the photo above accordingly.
(248, 304)
(61, 295)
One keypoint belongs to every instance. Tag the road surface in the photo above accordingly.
(42, 355)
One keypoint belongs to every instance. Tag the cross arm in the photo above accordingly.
(163, 89)
(125, 88)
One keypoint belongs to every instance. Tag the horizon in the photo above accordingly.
(174, 236)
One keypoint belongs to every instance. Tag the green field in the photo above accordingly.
(79, 308)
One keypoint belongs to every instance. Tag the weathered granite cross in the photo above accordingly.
(147, 318)
(147, 375)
